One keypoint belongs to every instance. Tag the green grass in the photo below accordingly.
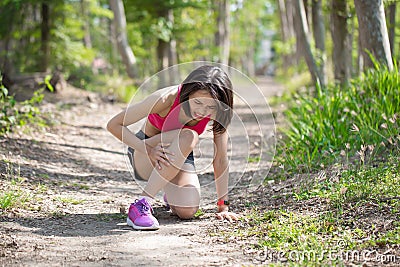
(342, 124)
(380, 184)
(253, 159)
(289, 237)
(69, 200)
(293, 236)
(12, 194)
(351, 135)
(13, 198)
(198, 214)
(297, 80)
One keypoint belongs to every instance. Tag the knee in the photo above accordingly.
(186, 213)
(189, 137)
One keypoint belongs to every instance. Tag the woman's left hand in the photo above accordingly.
(230, 216)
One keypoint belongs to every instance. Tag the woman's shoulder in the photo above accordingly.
(168, 93)
(163, 98)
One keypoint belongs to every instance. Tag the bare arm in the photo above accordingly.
(155, 103)
(221, 165)
(221, 173)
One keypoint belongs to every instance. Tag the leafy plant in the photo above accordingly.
(14, 114)
(355, 122)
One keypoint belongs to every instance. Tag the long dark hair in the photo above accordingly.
(215, 81)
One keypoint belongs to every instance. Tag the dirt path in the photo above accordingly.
(74, 186)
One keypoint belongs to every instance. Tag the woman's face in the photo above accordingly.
(202, 105)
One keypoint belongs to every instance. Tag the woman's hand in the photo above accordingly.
(224, 213)
(160, 155)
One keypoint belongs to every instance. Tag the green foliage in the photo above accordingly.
(11, 198)
(359, 121)
(119, 87)
(193, 27)
(147, 24)
(14, 114)
(250, 19)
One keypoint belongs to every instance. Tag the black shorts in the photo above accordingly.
(141, 135)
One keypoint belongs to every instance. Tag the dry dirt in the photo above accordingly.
(75, 187)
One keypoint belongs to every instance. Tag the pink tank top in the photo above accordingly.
(171, 120)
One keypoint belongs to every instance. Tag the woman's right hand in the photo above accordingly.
(160, 155)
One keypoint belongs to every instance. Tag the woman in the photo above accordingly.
(162, 151)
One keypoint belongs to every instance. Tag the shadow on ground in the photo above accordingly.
(82, 225)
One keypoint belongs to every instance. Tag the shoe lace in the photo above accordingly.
(143, 208)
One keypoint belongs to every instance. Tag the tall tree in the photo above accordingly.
(392, 26)
(166, 49)
(373, 32)
(287, 32)
(341, 56)
(319, 37)
(302, 36)
(87, 40)
(8, 14)
(222, 40)
(45, 37)
(125, 50)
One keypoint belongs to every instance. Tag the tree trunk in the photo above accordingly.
(166, 53)
(392, 27)
(6, 66)
(222, 35)
(172, 54)
(286, 30)
(341, 56)
(300, 22)
(319, 36)
(373, 32)
(162, 56)
(290, 14)
(360, 58)
(283, 20)
(122, 40)
(45, 37)
(113, 52)
(251, 71)
(307, 13)
(87, 40)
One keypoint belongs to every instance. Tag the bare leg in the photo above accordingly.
(181, 146)
(143, 164)
(183, 193)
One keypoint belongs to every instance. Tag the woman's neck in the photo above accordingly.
(186, 120)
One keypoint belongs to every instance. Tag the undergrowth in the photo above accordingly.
(15, 114)
(349, 215)
(358, 123)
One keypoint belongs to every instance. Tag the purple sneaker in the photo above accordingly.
(140, 216)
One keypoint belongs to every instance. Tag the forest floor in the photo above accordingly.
(70, 187)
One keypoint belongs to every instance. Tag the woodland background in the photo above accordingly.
(334, 181)
(81, 39)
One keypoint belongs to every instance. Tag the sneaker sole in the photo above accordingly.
(137, 227)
